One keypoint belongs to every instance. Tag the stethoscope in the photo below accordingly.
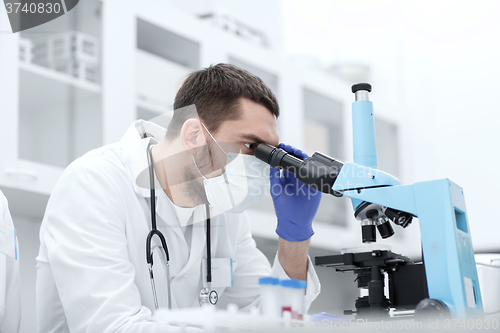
(207, 295)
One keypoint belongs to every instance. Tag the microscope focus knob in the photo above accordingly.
(431, 308)
(361, 86)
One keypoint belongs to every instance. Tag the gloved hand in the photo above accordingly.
(295, 203)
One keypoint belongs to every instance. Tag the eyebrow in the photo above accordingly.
(252, 138)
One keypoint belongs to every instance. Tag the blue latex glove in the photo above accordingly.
(294, 202)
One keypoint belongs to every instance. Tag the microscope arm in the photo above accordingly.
(372, 185)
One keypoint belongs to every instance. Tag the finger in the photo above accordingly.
(276, 187)
(274, 176)
(286, 175)
(285, 147)
(294, 151)
(313, 191)
(290, 178)
(301, 154)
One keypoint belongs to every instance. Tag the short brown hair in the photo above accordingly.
(216, 92)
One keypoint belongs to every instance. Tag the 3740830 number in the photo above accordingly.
(40, 8)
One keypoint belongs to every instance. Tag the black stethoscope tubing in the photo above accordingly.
(209, 252)
(155, 232)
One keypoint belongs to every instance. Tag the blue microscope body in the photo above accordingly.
(448, 278)
(448, 254)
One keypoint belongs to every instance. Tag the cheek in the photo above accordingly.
(219, 161)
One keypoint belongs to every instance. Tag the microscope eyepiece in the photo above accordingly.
(277, 157)
(361, 86)
(318, 171)
(264, 152)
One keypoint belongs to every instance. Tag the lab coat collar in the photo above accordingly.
(134, 148)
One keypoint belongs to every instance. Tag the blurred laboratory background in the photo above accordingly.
(79, 81)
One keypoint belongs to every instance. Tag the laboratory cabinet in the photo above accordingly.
(163, 59)
(50, 79)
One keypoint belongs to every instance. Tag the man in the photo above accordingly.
(92, 269)
(10, 290)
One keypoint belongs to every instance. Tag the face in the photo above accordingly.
(256, 125)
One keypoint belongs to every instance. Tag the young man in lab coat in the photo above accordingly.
(92, 269)
(10, 290)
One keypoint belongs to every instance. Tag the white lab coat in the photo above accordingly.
(10, 289)
(92, 274)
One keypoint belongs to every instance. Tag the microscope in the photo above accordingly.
(446, 283)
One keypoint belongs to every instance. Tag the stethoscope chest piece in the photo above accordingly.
(208, 296)
(213, 297)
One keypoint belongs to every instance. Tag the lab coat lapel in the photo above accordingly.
(197, 245)
(186, 285)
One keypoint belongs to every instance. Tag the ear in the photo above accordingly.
(192, 134)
